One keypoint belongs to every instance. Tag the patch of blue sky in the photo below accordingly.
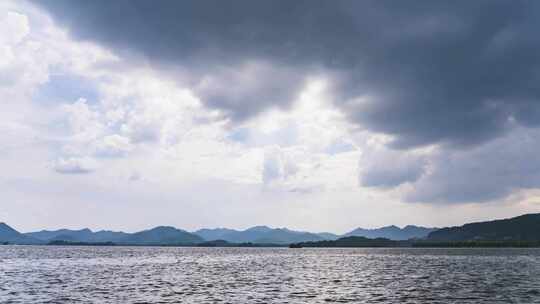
(339, 146)
(66, 88)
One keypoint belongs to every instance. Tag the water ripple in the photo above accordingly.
(33, 274)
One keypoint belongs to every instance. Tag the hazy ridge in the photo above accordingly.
(521, 228)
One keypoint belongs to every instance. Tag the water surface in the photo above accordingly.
(34, 274)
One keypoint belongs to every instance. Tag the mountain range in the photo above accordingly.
(525, 227)
(83, 235)
(393, 232)
(258, 234)
(173, 236)
(162, 235)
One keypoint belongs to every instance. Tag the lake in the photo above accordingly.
(48, 274)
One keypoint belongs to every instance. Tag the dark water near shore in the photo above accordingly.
(263, 275)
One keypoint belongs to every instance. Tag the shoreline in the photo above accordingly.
(416, 246)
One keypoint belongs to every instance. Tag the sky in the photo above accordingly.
(312, 115)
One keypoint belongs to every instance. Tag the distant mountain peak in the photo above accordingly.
(389, 227)
(164, 228)
(259, 228)
(10, 235)
(5, 227)
(410, 227)
(393, 232)
(162, 235)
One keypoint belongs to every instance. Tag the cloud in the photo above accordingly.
(285, 135)
(425, 72)
(135, 109)
(489, 172)
(307, 190)
(243, 91)
(386, 168)
(142, 127)
(15, 28)
(14, 51)
(339, 146)
(272, 168)
(114, 146)
(439, 76)
(75, 165)
(134, 177)
(277, 166)
(85, 123)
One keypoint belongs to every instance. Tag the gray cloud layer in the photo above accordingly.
(482, 174)
(460, 74)
(386, 168)
(430, 71)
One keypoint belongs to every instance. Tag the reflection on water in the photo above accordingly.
(249, 275)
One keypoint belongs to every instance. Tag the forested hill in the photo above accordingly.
(522, 228)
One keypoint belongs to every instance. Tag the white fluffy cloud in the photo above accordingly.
(114, 146)
(75, 165)
(14, 28)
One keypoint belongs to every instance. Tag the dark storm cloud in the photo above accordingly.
(385, 168)
(429, 72)
(484, 173)
(383, 177)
